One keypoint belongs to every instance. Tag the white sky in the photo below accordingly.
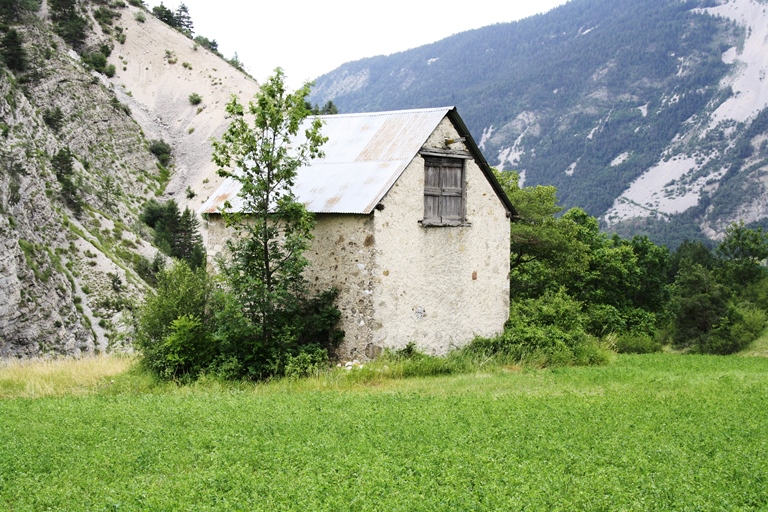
(310, 38)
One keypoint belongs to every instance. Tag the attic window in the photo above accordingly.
(444, 191)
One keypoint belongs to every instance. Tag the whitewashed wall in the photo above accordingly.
(440, 286)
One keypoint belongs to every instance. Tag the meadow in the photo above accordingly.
(645, 432)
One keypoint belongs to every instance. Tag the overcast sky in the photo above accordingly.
(309, 38)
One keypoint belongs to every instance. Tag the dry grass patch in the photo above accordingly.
(37, 378)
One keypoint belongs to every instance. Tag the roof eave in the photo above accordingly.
(454, 117)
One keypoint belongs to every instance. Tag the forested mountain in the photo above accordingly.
(596, 95)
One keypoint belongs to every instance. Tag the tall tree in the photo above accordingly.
(742, 251)
(63, 165)
(262, 149)
(184, 20)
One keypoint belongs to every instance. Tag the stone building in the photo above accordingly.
(412, 228)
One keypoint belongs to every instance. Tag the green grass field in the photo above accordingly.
(655, 432)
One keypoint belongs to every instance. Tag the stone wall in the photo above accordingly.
(343, 256)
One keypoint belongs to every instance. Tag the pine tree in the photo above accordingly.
(187, 242)
(63, 165)
(184, 20)
(13, 52)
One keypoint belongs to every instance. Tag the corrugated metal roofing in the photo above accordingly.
(364, 156)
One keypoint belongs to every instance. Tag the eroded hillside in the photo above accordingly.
(76, 169)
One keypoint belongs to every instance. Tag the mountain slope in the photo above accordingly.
(157, 70)
(597, 94)
(76, 167)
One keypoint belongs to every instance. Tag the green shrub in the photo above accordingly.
(546, 331)
(636, 344)
(309, 361)
(72, 27)
(195, 99)
(173, 324)
(306, 326)
(185, 352)
(148, 270)
(12, 51)
(139, 16)
(53, 118)
(162, 151)
(95, 60)
(739, 327)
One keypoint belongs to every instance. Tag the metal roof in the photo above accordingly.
(364, 156)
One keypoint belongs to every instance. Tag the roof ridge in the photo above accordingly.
(387, 112)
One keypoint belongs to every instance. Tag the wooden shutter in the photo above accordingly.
(431, 191)
(443, 191)
(451, 184)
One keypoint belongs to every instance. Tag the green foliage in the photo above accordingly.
(12, 11)
(236, 63)
(98, 61)
(720, 300)
(173, 324)
(692, 252)
(195, 99)
(105, 17)
(148, 270)
(179, 19)
(183, 20)
(536, 234)
(627, 343)
(53, 118)
(176, 233)
(546, 331)
(68, 22)
(739, 326)
(742, 251)
(12, 51)
(162, 151)
(620, 285)
(164, 14)
(63, 166)
(209, 44)
(329, 108)
(308, 362)
(276, 313)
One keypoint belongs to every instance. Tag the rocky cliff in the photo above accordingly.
(76, 169)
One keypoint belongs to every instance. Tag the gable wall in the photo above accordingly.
(439, 286)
